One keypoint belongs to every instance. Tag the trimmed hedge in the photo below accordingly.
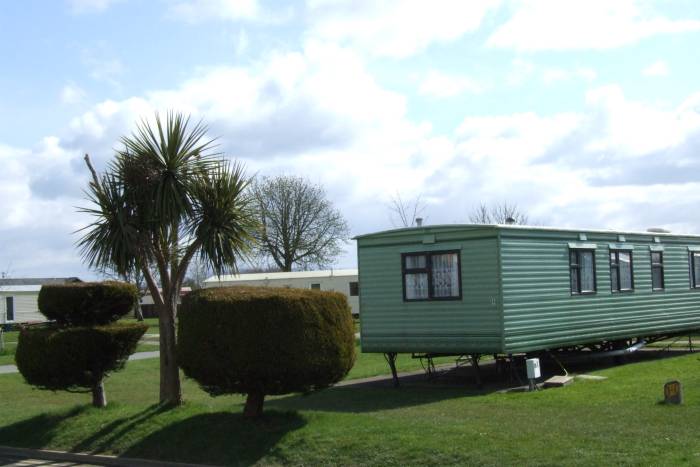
(261, 340)
(79, 357)
(87, 303)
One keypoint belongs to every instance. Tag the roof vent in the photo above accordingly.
(657, 230)
(419, 221)
(510, 221)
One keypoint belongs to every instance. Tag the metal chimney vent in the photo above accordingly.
(510, 221)
(419, 221)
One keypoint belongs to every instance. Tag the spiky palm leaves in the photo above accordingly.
(164, 192)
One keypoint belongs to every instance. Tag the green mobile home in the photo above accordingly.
(504, 289)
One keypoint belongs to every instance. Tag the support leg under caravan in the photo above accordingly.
(391, 359)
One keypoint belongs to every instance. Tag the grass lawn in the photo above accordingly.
(151, 322)
(7, 355)
(613, 422)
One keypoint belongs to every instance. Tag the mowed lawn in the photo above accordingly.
(618, 421)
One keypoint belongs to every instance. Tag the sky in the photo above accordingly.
(583, 114)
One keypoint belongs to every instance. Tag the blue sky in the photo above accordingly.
(584, 114)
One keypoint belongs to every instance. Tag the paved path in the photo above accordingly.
(11, 461)
(34, 457)
(145, 355)
(4, 369)
(7, 369)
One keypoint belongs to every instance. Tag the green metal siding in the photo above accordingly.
(388, 324)
(540, 312)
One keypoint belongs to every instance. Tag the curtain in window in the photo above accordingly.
(415, 262)
(696, 267)
(587, 276)
(416, 286)
(445, 275)
(657, 280)
(625, 265)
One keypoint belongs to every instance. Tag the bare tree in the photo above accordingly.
(503, 213)
(7, 272)
(405, 212)
(299, 225)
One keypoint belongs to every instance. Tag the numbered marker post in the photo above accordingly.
(673, 392)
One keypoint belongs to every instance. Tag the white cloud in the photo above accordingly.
(397, 28)
(242, 42)
(594, 24)
(90, 6)
(658, 68)
(194, 11)
(321, 113)
(634, 129)
(552, 75)
(523, 70)
(442, 85)
(72, 94)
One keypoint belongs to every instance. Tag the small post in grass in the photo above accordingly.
(673, 393)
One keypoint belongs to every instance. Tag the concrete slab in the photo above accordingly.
(591, 377)
(558, 381)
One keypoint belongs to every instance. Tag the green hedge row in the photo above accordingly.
(265, 340)
(87, 303)
(75, 357)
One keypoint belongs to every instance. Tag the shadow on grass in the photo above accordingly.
(112, 432)
(218, 438)
(37, 432)
(448, 384)
(360, 399)
(211, 438)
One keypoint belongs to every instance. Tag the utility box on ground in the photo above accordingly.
(533, 368)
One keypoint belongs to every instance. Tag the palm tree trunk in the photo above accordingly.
(99, 398)
(170, 391)
(254, 404)
(138, 313)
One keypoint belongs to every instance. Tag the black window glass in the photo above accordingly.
(10, 308)
(657, 270)
(582, 271)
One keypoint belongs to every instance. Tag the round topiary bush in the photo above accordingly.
(87, 303)
(75, 357)
(260, 340)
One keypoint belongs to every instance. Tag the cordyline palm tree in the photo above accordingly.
(165, 198)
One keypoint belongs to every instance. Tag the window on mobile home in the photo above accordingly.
(431, 276)
(621, 277)
(657, 270)
(695, 269)
(315, 286)
(9, 308)
(582, 269)
(354, 289)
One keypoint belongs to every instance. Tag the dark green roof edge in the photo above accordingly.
(506, 227)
